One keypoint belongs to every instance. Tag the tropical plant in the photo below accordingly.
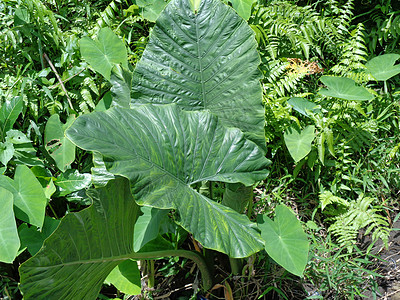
(166, 150)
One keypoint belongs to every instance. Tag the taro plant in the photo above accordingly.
(194, 115)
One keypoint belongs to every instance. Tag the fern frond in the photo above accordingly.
(361, 214)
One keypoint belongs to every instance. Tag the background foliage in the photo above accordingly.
(335, 160)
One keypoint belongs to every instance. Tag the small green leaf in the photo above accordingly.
(299, 142)
(9, 112)
(151, 9)
(285, 240)
(243, 7)
(104, 52)
(304, 106)
(344, 88)
(6, 152)
(9, 240)
(148, 226)
(126, 278)
(71, 181)
(57, 145)
(383, 67)
(32, 238)
(16, 137)
(29, 199)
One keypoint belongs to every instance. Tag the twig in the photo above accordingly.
(66, 80)
(59, 79)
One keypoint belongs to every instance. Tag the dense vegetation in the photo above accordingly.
(198, 149)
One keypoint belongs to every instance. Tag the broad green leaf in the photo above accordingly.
(76, 259)
(163, 151)
(29, 199)
(299, 142)
(9, 112)
(6, 152)
(59, 147)
(121, 81)
(151, 9)
(126, 278)
(237, 196)
(344, 88)
(104, 103)
(32, 238)
(9, 240)
(304, 106)
(243, 7)
(104, 52)
(16, 137)
(71, 181)
(285, 240)
(148, 226)
(383, 67)
(204, 61)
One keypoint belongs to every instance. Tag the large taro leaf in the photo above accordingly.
(76, 259)
(383, 67)
(204, 60)
(163, 151)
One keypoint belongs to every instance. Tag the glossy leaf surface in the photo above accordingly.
(163, 151)
(76, 259)
(71, 181)
(383, 67)
(344, 88)
(285, 240)
(9, 240)
(204, 60)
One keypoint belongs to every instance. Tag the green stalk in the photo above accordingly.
(194, 256)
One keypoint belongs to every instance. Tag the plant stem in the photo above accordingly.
(194, 256)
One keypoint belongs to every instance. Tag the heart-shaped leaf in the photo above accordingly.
(164, 151)
(204, 60)
(285, 240)
(29, 198)
(344, 88)
(383, 67)
(59, 148)
(76, 259)
(9, 240)
(104, 52)
(299, 142)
